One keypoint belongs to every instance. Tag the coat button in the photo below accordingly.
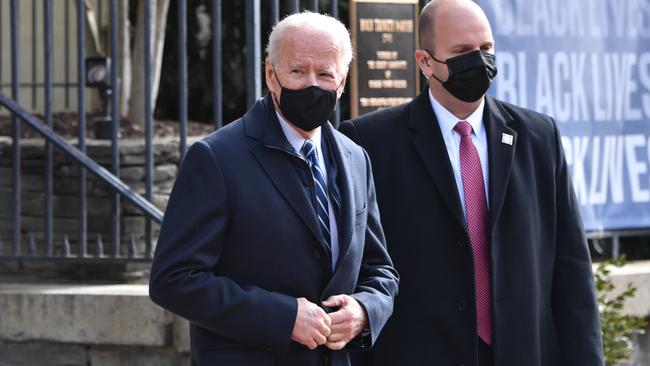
(462, 305)
(317, 255)
(461, 243)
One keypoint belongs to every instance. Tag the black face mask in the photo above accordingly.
(307, 108)
(470, 75)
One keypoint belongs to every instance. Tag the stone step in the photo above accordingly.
(117, 315)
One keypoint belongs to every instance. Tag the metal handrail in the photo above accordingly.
(104, 175)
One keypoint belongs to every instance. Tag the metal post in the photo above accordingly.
(295, 6)
(148, 117)
(1, 53)
(216, 64)
(16, 129)
(34, 55)
(616, 246)
(66, 53)
(115, 120)
(314, 6)
(49, 163)
(182, 75)
(81, 115)
(253, 52)
(275, 12)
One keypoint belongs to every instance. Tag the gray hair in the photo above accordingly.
(315, 21)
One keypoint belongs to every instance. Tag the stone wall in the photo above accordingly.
(82, 325)
(66, 187)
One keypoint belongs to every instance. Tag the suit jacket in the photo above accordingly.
(544, 303)
(240, 242)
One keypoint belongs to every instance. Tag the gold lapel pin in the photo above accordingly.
(506, 139)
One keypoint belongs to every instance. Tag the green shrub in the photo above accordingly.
(616, 327)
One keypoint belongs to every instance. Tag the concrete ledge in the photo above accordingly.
(103, 314)
(59, 354)
(140, 356)
(39, 353)
(181, 335)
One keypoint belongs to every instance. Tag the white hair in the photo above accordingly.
(312, 20)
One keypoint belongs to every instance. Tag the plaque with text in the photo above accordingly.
(384, 72)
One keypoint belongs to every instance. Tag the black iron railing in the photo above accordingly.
(24, 245)
(78, 156)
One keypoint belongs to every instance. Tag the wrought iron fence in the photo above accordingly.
(24, 245)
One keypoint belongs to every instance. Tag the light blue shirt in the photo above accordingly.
(296, 140)
(447, 121)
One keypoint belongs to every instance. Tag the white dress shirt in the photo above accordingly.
(447, 121)
(296, 141)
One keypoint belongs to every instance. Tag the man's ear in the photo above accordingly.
(423, 59)
(339, 92)
(269, 74)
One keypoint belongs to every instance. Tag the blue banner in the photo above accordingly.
(586, 63)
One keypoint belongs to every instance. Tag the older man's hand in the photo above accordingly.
(347, 322)
(312, 324)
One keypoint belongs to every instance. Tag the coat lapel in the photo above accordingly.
(430, 146)
(273, 154)
(345, 182)
(501, 154)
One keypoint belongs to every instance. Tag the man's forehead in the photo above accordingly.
(300, 50)
(474, 31)
(310, 38)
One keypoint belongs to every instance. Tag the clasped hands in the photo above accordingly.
(314, 327)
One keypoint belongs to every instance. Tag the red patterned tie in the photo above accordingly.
(477, 226)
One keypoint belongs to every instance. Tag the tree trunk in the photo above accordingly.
(93, 44)
(159, 10)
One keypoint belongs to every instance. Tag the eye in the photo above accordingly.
(486, 47)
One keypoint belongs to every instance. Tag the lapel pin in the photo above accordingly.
(506, 139)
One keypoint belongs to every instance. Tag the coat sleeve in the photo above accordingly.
(191, 240)
(378, 280)
(575, 308)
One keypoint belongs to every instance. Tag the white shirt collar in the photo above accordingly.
(448, 121)
(295, 139)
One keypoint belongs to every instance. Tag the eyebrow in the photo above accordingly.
(468, 45)
(331, 69)
(296, 66)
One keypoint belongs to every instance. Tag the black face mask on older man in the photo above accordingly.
(470, 74)
(307, 108)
